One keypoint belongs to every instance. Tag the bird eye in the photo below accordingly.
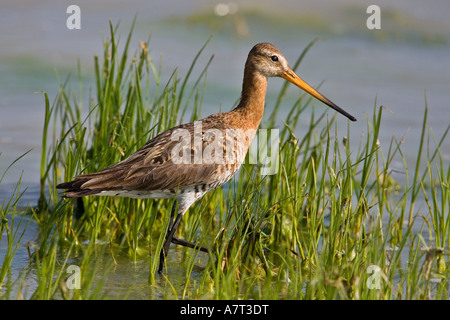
(274, 58)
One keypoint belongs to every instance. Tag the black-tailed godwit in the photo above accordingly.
(191, 159)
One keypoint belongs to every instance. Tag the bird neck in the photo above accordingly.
(251, 106)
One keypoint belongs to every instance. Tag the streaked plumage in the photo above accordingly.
(151, 172)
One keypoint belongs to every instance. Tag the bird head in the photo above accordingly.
(267, 60)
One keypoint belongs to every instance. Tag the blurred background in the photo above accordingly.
(400, 66)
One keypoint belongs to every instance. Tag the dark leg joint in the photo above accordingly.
(188, 244)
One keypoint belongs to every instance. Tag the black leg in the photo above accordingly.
(169, 235)
(172, 214)
(188, 244)
(170, 238)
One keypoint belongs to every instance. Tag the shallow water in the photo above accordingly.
(399, 65)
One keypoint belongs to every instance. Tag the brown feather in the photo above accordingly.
(152, 168)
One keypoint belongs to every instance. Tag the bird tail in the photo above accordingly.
(91, 184)
(78, 187)
(73, 189)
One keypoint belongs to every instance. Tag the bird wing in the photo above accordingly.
(156, 165)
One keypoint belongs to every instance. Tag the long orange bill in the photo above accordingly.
(293, 78)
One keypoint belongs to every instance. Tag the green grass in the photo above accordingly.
(317, 229)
